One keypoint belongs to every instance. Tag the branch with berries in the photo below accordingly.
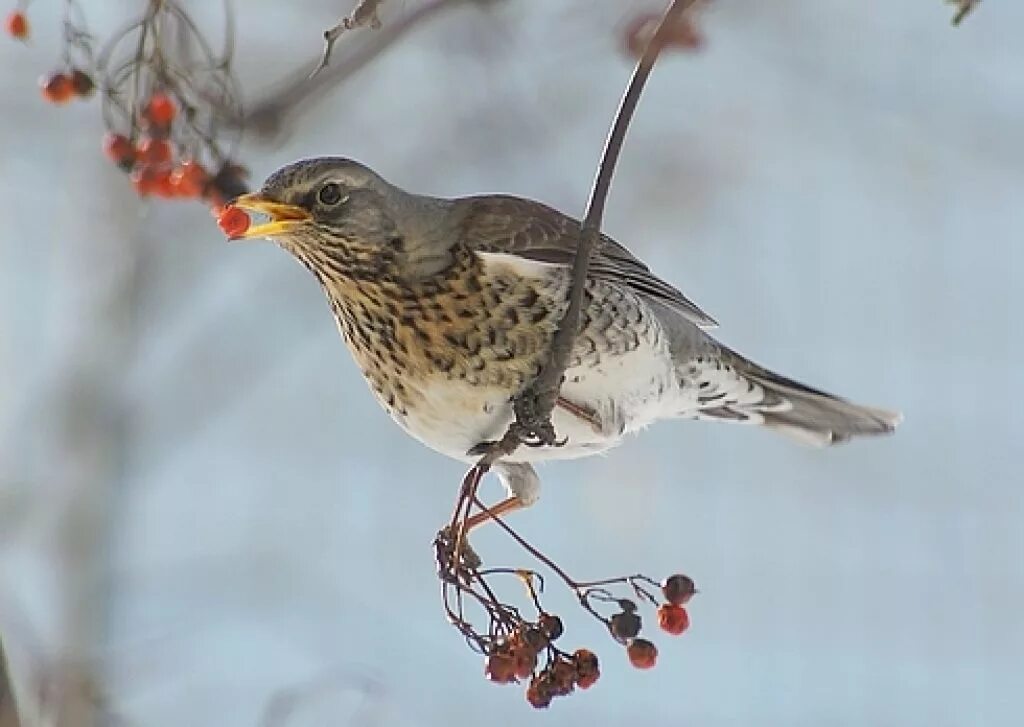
(162, 90)
(518, 648)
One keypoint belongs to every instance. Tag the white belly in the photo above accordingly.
(627, 391)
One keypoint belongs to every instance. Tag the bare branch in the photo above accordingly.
(297, 93)
(363, 15)
(963, 8)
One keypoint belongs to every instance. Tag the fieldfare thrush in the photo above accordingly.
(449, 305)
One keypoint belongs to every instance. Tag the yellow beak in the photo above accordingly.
(283, 217)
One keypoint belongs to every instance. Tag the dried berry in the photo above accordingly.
(234, 222)
(539, 693)
(551, 625)
(82, 83)
(563, 677)
(227, 183)
(678, 589)
(533, 638)
(17, 25)
(673, 619)
(587, 668)
(526, 662)
(682, 35)
(57, 88)
(642, 653)
(625, 625)
(500, 668)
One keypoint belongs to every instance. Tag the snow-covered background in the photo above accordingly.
(202, 507)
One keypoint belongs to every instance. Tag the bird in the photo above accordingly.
(449, 305)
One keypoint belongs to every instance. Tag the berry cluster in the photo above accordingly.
(518, 649)
(164, 93)
(60, 87)
(155, 164)
(515, 657)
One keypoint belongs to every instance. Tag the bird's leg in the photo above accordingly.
(510, 504)
(522, 484)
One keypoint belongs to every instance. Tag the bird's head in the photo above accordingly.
(327, 207)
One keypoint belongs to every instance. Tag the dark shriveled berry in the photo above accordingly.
(500, 668)
(551, 625)
(678, 589)
(539, 693)
(563, 677)
(534, 639)
(587, 668)
(526, 662)
(625, 625)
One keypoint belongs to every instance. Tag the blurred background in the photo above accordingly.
(205, 519)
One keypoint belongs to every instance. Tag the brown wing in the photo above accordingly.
(512, 225)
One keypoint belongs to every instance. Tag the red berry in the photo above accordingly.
(119, 150)
(155, 151)
(234, 222)
(17, 25)
(678, 589)
(642, 653)
(57, 88)
(82, 83)
(162, 184)
(189, 179)
(160, 110)
(144, 180)
(673, 619)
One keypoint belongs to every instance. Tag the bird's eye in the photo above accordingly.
(330, 194)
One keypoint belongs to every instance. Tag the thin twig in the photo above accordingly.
(296, 94)
(534, 405)
(963, 8)
(363, 15)
(525, 545)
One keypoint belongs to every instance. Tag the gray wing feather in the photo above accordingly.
(534, 231)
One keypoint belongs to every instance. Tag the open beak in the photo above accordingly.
(283, 218)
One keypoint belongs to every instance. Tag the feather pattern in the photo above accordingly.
(516, 226)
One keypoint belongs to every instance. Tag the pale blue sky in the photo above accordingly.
(838, 183)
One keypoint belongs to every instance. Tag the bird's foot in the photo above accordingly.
(533, 420)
